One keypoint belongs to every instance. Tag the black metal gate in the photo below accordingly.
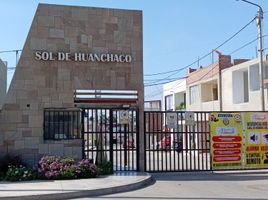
(182, 147)
(111, 135)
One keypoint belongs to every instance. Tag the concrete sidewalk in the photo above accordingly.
(67, 189)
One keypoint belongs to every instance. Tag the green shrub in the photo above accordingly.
(2, 175)
(105, 168)
(86, 169)
(67, 173)
(20, 173)
(9, 160)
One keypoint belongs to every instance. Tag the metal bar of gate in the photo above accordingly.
(83, 135)
(184, 148)
(111, 136)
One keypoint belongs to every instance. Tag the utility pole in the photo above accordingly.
(259, 18)
(262, 71)
(220, 77)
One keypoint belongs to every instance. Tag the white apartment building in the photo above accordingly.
(3, 81)
(239, 86)
(174, 95)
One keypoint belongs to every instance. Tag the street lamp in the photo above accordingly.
(259, 18)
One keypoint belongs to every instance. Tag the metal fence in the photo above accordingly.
(180, 148)
(106, 138)
(173, 141)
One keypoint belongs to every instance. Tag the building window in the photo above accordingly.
(193, 94)
(62, 124)
(169, 103)
(254, 77)
(240, 86)
(179, 101)
(209, 91)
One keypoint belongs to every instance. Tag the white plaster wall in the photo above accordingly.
(230, 87)
(211, 106)
(174, 87)
(177, 87)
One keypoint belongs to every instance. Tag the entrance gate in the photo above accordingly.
(177, 144)
(111, 134)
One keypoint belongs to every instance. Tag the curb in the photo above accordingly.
(88, 193)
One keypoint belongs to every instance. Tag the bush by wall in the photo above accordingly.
(54, 167)
(49, 167)
(20, 173)
(9, 160)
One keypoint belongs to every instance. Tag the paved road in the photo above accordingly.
(203, 185)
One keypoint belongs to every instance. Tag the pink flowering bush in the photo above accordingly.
(86, 169)
(55, 167)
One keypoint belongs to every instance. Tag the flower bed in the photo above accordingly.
(55, 168)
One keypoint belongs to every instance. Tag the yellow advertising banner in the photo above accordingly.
(226, 140)
(256, 139)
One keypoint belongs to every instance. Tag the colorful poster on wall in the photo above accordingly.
(226, 140)
(256, 140)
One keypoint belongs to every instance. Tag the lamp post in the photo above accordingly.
(259, 18)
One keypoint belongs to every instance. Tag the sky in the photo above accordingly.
(175, 32)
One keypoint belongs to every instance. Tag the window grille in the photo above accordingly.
(62, 124)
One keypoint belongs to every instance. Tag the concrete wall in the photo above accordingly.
(3, 82)
(177, 89)
(202, 105)
(233, 88)
(39, 84)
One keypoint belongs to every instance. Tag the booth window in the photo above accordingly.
(62, 124)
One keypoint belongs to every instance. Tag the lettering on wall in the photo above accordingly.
(82, 57)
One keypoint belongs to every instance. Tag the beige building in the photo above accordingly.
(3, 81)
(70, 49)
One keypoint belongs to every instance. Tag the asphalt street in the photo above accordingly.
(250, 185)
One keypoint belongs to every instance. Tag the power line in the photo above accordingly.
(162, 79)
(179, 81)
(238, 49)
(9, 51)
(154, 84)
(204, 56)
(11, 68)
(154, 93)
